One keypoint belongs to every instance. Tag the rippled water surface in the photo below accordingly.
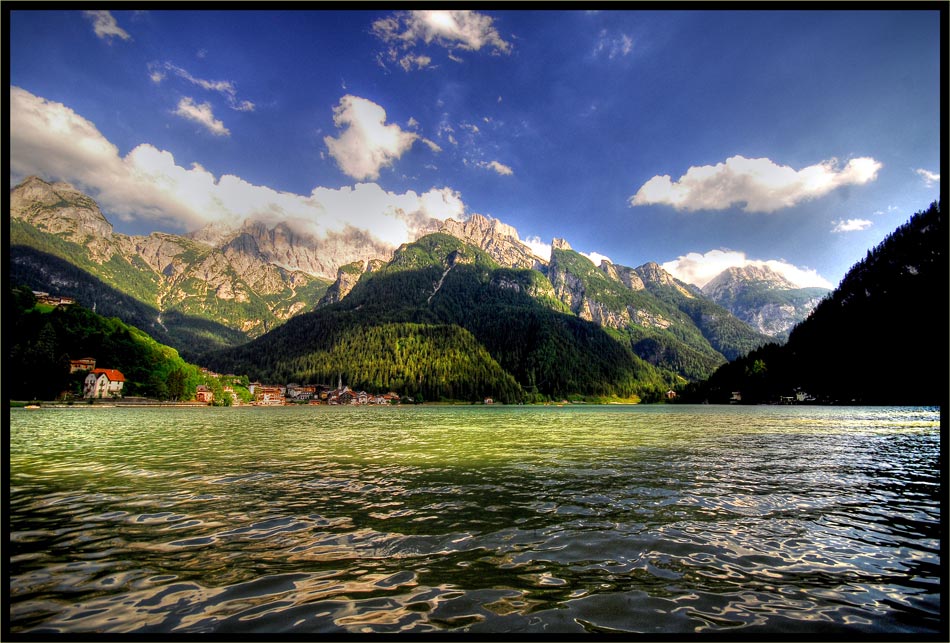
(482, 519)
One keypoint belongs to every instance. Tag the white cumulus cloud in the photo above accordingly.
(596, 257)
(367, 143)
(201, 114)
(105, 25)
(760, 184)
(452, 29)
(699, 269)
(851, 225)
(51, 140)
(538, 247)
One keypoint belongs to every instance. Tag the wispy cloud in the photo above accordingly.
(760, 184)
(367, 144)
(51, 140)
(403, 32)
(159, 71)
(851, 225)
(699, 269)
(930, 178)
(613, 46)
(500, 168)
(105, 25)
(201, 114)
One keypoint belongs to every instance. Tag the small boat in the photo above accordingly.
(32, 406)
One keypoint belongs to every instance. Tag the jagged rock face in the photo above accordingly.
(58, 208)
(347, 277)
(162, 252)
(652, 272)
(627, 276)
(601, 314)
(568, 287)
(498, 239)
(731, 281)
(320, 257)
(763, 298)
(776, 319)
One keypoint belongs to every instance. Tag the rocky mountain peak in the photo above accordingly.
(294, 249)
(58, 208)
(478, 225)
(652, 272)
(623, 274)
(560, 244)
(498, 239)
(763, 298)
(736, 277)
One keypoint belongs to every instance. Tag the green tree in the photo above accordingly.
(176, 384)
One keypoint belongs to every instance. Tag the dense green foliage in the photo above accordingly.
(445, 321)
(42, 341)
(846, 351)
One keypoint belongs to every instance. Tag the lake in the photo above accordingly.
(650, 519)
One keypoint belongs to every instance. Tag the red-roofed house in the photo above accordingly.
(103, 382)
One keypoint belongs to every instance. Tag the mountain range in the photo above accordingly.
(220, 287)
(181, 290)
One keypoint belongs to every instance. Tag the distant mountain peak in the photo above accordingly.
(58, 208)
(763, 298)
(652, 272)
(758, 274)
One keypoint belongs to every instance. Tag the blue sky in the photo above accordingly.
(696, 139)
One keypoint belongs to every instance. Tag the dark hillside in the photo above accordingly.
(879, 338)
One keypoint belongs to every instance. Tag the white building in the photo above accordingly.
(103, 382)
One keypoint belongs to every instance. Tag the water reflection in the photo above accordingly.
(652, 519)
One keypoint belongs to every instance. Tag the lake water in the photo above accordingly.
(651, 519)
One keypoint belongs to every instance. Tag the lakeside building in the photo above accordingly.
(268, 395)
(103, 382)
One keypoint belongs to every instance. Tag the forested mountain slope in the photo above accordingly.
(501, 329)
(879, 338)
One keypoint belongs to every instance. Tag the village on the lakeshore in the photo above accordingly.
(108, 383)
(342, 395)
